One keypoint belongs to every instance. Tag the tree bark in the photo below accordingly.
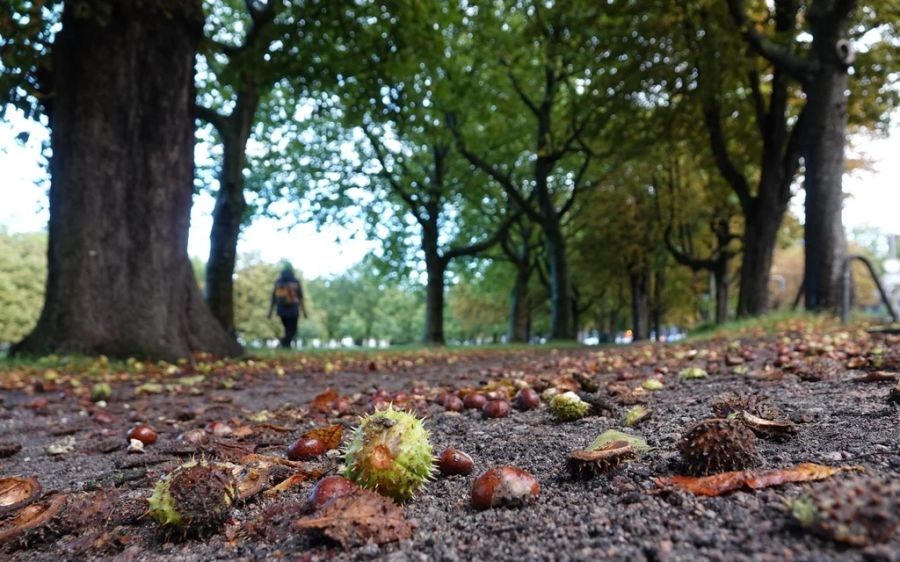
(228, 214)
(119, 279)
(824, 241)
(640, 305)
(520, 307)
(720, 279)
(659, 304)
(435, 269)
(760, 235)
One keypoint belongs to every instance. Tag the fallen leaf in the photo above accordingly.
(331, 436)
(243, 431)
(293, 480)
(725, 482)
(323, 402)
(876, 376)
(360, 517)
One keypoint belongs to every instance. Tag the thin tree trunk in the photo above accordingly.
(520, 307)
(720, 277)
(640, 305)
(119, 279)
(435, 268)
(228, 214)
(659, 304)
(561, 324)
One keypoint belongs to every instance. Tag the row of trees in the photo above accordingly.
(595, 147)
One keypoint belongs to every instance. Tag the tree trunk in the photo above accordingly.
(119, 279)
(223, 238)
(228, 214)
(659, 304)
(520, 307)
(640, 306)
(825, 245)
(760, 236)
(720, 278)
(435, 268)
(561, 325)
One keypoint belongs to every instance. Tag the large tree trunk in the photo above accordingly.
(561, 322)
(824, 242)
(760, 235)
(640, 305)
(228, 214)
(119, 279)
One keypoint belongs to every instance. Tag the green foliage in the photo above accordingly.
(23, 273)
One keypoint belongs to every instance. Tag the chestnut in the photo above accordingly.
(495, 409)
(143, 433)
(453, 403)
(527, 399)
(453, 461)
(504, 486)
(474, 400)
(327, 489)
(305, 449)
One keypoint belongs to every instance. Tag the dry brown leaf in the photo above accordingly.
(293, 480)
(243, 431)
(331, 436)
(876, 376)
(359, 517)
(322, 403)
(725, 482)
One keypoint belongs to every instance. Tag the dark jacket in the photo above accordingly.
(287, 295)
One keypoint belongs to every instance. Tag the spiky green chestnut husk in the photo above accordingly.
(390, 453)
(568, 406)
(858, 510)
(197, 495)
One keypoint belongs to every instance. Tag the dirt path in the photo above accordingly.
(620, 516)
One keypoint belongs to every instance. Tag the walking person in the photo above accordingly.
(287, 299)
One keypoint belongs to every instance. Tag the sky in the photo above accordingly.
(873, 203)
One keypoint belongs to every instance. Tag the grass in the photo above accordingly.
(768, 324)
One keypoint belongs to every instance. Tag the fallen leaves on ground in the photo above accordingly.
(331, 436)
(725, 482)
(359, 517)
(322, 402)
(293, 480)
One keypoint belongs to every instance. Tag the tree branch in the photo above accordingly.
(517, 87)
(392, 181)
(567, 206)
(791, 160)
(730, 172)
(214, 118)
(478, 247)
(759, 104)
(505, 180)
(798, 67)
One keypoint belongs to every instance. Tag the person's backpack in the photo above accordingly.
(287, 293)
